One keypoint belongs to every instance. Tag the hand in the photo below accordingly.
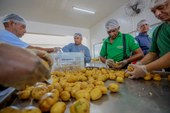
(109, 63)
(20, 69)
(43, 55)
(121, 64)
(57, 49)
(138, 72)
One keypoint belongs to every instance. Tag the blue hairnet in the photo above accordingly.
(15, 18)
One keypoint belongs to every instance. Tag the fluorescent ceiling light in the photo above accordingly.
(83, 10)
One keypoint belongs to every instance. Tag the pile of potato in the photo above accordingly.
(83, 85)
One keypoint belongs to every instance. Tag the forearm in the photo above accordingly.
(135, 57)
(151, 56)
(102, 59)
(49, 50)
(161, 63)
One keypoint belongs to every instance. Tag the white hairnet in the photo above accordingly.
(14, 17)
(78, 34)
(157, 2)
(142, 22)
(111, 24)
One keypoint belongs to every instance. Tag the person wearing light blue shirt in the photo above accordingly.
(15, 28)
(78, 47)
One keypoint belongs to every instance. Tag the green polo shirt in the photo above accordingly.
(115, 49)
(161, 44)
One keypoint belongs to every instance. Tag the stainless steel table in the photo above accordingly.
(135, 96)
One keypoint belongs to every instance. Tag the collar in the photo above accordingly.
(108, 38)
(143, 34)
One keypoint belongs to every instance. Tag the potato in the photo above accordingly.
(38, 92)
(65, 96)
(113, 87)
(25, 94)
(58, 107)
(120, 79)
(103, 89)
(56, 92)
(47, 101)
(82, 94)
(10, 109)
(80, 106)
(157, 77)
(95, 94)
(130, 68)
(40, 84)
(31, 109)
(148, 76)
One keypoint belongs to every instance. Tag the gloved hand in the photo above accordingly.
(43, 55)
(138, 72)
(109, 63)
(121, 64)
(20, 68)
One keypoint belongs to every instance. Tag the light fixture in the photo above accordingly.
(83, 10)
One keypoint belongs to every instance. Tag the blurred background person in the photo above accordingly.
(77, 46)
(143, 38)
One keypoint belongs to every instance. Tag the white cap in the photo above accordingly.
(142, 22)
(14, 17)
(155, 3)
(111, 24)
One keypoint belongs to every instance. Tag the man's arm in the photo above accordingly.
(151, 56)
(137, 55)
(49, 50)
(87, 56)
(102, 59)
(161, 63)
(66, 48)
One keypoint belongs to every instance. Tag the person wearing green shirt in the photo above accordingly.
(159, 55)
(114, 50)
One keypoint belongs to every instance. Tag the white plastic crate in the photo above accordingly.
(68, 60)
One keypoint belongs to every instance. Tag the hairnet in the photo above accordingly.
(78, 34)
(142, 22)
(157, 2)
(111, 24)
(14, 17)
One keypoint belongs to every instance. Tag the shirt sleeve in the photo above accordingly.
(87, 55)
(133, 44)
(66, 48)
(154, 47)
(103, 50)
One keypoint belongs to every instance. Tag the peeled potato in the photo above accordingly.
(31, 109)
(148, 76)
(95, 94)
(58, 107)
(80, 106)
(157, 77)
(10, 109)
(113, 87)
(103, 89)
(47, 101)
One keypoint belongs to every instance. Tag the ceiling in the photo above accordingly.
(60, 11)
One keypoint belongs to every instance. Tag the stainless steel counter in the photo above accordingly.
(135, 96)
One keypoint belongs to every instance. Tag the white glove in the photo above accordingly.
(109, 63)
(121, 64)
(138, 72)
